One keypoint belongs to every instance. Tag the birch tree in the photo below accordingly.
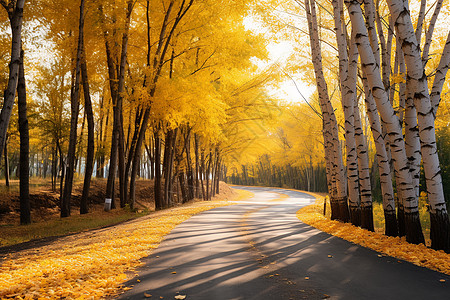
(440, 225)
(339, 204)
(348, 98)
(372, 72)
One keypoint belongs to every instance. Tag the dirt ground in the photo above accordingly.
(45, 202)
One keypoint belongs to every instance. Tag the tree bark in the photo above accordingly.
(15, 14)
(74, 103)
(364, 177)
(25, 207)
(157, 182)
(5, 153)
(90, 145)
(439, 77)
(372, 71)
(425, 118)
(348, 98)
(384, 169)
(339, 197)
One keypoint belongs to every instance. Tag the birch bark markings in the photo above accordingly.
(439, 77)
(440, 224)
(348, 97)
(363, 171)
(339, 206)
(384, 168)
(387, 113)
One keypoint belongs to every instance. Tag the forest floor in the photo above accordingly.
(45, 214)
(420, 255)
(92, 263)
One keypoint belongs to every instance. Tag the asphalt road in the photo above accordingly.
(258, 249)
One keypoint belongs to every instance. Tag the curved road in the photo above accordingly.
(258, 249)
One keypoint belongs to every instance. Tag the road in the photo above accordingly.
(258, 249)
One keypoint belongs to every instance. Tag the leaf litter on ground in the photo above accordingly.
(393, 246)
(93, 264)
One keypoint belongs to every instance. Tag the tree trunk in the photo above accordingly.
(5, 153)
(425, 118)
(189, 169)
(348, 98)
(25, 208)
(15, 15)
(136, 154)
(202, 174)
(90, 145)
(372, 72)
(384, 168)
(197, 168)
(208, 172)
(329, 119)
(364, 177)
(157, 183)
(412, 140)
(439, 77)
(117, 83)
(74, 103)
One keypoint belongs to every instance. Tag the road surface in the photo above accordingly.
(258, 249)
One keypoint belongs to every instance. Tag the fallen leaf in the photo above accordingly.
(147, 295)
(180, 297)
(325, 296)
(138, 280)
(174, 272)
(442, 280)
(306, 278)
(330, 256)
(379, 255)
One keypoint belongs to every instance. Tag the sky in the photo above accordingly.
(279, 52)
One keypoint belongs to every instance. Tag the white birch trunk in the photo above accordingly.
(348, 98)
(364, 174)
(331, 137)
(439, 77)
(429, 34)
(440, 225)
(401, 85)
(387, 189)
(412, 140)
(387, 113)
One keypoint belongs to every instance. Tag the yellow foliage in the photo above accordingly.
(393, 246)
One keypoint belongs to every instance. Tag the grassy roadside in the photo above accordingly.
(15, 234)
(393, 246)
(93, 264)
